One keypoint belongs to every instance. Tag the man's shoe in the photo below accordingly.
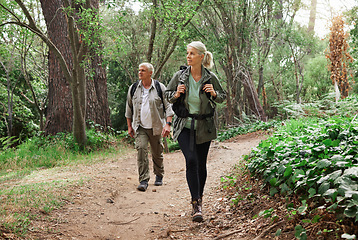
(158, 181)
(143, 186)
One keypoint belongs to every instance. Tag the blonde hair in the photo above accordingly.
(208, 56)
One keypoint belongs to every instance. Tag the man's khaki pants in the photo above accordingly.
(143, 136)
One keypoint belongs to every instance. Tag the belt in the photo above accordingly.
(193, 118)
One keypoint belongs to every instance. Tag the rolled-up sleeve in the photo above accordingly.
(221, 93)
(172, 88)
(129, 105)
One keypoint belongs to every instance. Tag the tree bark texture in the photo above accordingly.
(312, 20)
(59, 115)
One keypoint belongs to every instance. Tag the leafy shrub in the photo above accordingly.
(326, 107)
(50, 151)
(172, 145)
(246, 128)
(315, 158)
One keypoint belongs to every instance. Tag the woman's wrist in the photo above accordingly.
(215, 94)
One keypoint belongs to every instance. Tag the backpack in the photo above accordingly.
(179, 107)
(157, 87)
(182, 68)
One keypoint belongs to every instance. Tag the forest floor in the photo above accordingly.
(107, 205)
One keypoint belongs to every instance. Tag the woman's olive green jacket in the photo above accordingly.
(206, 129)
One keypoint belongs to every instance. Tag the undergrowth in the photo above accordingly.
(23, 197)
(311, 157)
(315, 158)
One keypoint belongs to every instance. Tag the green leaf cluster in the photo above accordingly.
(314, 158)
(246, 128)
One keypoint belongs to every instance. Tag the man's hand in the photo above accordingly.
(166, 130)
(131, 132)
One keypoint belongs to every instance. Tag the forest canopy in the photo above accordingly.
(264, 57)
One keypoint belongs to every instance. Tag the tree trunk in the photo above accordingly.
(312, 20)
(10, 99)
(59, 107)
(229, 91)
(252, 96)
(153, 31)
(61, 112)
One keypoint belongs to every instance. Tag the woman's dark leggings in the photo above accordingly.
(195, 163)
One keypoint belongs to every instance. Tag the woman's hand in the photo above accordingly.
(209, 88)
(180, 89)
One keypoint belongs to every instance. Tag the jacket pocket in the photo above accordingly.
(209, 123)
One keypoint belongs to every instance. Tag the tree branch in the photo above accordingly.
(33, 28)
(50, 44)
(11, 12)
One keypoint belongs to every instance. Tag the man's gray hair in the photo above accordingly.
(148, 66)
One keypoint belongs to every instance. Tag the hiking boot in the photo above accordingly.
(197, 216)
(143, 186)
(158, 181)
(200, 201)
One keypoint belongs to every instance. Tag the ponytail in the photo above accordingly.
(208, 60)
(208, 56)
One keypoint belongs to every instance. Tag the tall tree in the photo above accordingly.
(312, 20)
(174, 16)
(93, 91)
(69, 39)
(234, 28)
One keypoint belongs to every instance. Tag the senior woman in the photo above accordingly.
(194, 93)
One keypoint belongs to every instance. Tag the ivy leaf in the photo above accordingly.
(311, 192)
(300, 233)
(351, 172)
(316, 218)
(288, 171)
(331, 193)
(349, 194)
(323, 163)
(273, 181)
(348, 236)
(351, 212)
(336, 157)
(319, 148)
(336, 143)
(273, 191)
(323, 188)
(333, 176)
(341, 163)
(327, 142)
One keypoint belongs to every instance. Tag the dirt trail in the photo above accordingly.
(109, 207)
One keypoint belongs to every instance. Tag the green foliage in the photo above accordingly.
(229, 181)
(323, 108)
(51, 151)
(300, 233)
(317, 79)
(353, 19)
(17, 43)
(6, 142)
(246, 128)
(118, 84)
(172, 145)
(315, 158)
(23, 202)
